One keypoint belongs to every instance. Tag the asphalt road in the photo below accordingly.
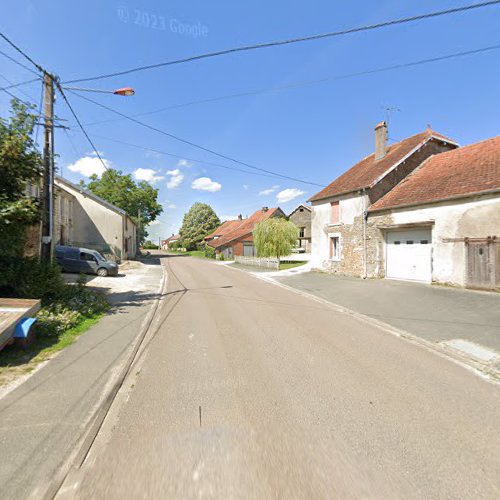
(248, 390)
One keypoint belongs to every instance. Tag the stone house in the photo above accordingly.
(301, 217)
(442, 222)
(235, 238)
(339, 211)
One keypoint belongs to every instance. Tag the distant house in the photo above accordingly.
(83, 219)
(339, 211)
(235, 237)
(442, 222)
(301, 217)
(167, 242)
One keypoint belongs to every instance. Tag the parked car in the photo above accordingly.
(298, 250)
(84, 260)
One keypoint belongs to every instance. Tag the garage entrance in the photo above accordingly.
(409, 255)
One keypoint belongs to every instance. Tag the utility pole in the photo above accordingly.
(138, 228)
(47, 246)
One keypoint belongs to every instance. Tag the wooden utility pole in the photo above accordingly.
(47, 245)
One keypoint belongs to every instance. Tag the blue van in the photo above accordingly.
(84, 260)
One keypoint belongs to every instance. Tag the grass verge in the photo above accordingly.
(16, 361)
(290, 265)
(200, 254)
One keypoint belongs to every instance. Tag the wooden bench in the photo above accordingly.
(12, 311)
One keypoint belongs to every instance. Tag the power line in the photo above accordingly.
(197, 146)
(311, 82)
(26, 56)
(331, 34)
(26, 103)
(182, 157)
(15, 85)
(75, 116)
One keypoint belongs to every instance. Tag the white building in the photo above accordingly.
(338, 220)
(83, 219)
(442, 223)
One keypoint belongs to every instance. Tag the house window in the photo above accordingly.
(302, 231)
(334, 212)
(334, 248)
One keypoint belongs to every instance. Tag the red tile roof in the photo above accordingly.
(461, 172)
(170, 238)
(223, 229)
(366, 172)
(243, 227)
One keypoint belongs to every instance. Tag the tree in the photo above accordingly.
(20, 165)
(133, 197)
(275, 237)
(198, 222)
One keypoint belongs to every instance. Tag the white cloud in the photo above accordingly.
(245, 187)
(154, 223)
(206, 184)
(170, 205)
(268, 191)
(148, 175)
(184, 163)
(175, 178)
(224, 218)
(288, 194)
(89, 165)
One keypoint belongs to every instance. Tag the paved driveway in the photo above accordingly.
(432, 312)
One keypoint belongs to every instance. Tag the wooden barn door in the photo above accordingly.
(483, 264)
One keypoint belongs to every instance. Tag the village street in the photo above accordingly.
(248, 390)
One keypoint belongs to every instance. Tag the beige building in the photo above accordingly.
(83, 219)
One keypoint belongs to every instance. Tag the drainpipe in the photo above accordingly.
(365, 216)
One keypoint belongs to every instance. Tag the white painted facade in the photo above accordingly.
(98, 224)
(473, 217)
(351, 206)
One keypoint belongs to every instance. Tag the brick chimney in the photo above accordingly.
(265, 209)
(380, 140)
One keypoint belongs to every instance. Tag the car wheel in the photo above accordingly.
(102, 272)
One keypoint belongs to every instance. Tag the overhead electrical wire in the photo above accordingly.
(309, 82)
(26, 56)
(190, 143)
(75, 116)
(183, 157)
(264, 45)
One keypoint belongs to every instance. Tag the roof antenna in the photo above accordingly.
(389, 110)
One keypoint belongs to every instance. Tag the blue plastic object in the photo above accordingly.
(23, 328)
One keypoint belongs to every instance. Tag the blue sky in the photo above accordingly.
(313, 132)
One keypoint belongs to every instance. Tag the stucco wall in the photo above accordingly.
(477, 217)
(349, 229)
(94, 225)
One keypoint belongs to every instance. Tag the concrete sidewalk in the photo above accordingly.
(43, 419)
(434, 313)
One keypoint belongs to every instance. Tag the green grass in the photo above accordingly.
(16, 361)
(191, 253)
(290, 265)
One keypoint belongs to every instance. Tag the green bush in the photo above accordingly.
(63, 305)
(29, 278)
(209, 252)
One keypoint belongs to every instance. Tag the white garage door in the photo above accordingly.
(409, 255)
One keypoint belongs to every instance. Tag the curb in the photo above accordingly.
(85, 441)
(488, 372)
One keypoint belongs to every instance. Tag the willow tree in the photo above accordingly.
(275, 237)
